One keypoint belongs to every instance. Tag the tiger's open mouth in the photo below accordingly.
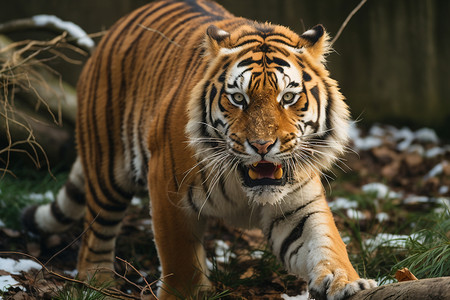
(263, 173)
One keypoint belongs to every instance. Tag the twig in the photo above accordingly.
(148, 286)
(161, 34)
(354, 11)
(76, 239)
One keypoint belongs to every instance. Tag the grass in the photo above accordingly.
(420, 240)
(16, 188)
(75, 291)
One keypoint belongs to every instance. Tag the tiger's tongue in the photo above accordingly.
(265, 169)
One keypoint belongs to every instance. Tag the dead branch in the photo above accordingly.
(352, 13)
(54, 25)
(431, 288)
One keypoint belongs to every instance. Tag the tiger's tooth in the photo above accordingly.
(252, 174)
(255, 164)
(278, 173)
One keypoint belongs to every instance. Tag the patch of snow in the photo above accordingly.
(385, 280)
(223, 252)
(426, 135)
(346, 239)
(389, 240)
(436, 170)
(433, 152)
(209, 265)
(442, 190)
(405, 135)
(416, 199)
(258, 254)
(7, 281)
(380, 190)
(355, 214)
(16, 266)
(342, 203)
(72, 273)
(304, 296)
(445, 206)
(377, 130)
(72, 29)
(136, 201)
(416, 148)
(367, 143)
(35, 197)
(382, 217)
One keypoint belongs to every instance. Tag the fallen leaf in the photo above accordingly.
(404, 275)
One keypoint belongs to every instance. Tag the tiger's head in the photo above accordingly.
(266, 110)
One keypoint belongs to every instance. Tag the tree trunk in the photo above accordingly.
(432, 288)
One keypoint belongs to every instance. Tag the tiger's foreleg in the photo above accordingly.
(305, 238)
(179, 241)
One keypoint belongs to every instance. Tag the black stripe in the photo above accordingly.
(101, 236)
(100, 252)
(101, 220)
(191, 200)
(223, 190)
(97, 262)
(292, 212)
(74, 193)
(59, 215)
(114, 204)
(295, 251)
(329, 128)
(295, 234)
(28, 219)
(281, 42)
(306, 76)
(212, 96)
(279, 61)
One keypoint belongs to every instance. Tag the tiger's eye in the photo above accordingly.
(288, 98)
(238, 98)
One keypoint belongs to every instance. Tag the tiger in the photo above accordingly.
(213, 116)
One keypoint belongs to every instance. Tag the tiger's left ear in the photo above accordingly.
(316, 42)
(216, 39)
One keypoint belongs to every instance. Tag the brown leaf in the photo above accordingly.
(248, 274)
(3, 272)
(254, 237)
(404, 275)
(22, 296)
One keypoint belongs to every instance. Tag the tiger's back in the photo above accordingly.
(214, 116)
(140, 74)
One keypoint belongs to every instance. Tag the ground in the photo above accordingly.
(389, 195)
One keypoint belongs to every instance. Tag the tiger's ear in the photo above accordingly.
(216, 39)
(316, 42)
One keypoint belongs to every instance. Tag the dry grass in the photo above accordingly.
(23, 70)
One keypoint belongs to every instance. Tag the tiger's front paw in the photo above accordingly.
(335, 286)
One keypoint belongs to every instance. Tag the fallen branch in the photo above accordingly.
(431, 288)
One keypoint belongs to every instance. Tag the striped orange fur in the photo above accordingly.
(213, 116)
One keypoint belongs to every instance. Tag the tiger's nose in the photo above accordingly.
(261, 147)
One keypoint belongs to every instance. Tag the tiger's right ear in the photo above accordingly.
(216, 39)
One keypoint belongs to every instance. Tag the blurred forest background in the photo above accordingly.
(392, 60)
